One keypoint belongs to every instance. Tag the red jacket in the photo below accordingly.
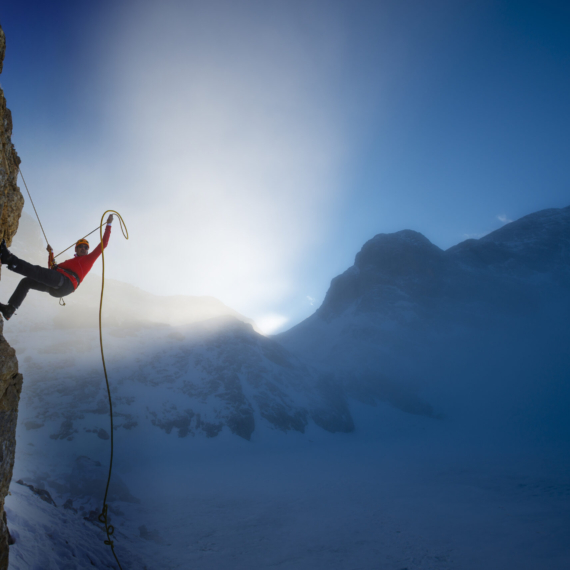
(81, 265)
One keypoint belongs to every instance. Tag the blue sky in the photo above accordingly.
(253, 147)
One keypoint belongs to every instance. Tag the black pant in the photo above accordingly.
(38, 278)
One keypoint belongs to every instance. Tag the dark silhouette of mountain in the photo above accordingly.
(391, 324)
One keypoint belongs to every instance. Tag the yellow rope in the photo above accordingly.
(109, 529)
(73, 244)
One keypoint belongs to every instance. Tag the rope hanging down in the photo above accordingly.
(109, 529)
(103, 517)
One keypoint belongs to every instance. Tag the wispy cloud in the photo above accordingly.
(503, 219)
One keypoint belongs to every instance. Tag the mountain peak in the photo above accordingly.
(549, 224)
(405, 267)
(396, 253)
(537, 243)
(402, 260)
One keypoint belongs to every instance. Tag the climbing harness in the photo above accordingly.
(103, 517)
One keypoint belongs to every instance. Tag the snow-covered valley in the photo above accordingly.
(389, 496)
(417, 421)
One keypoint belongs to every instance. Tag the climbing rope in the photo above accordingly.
(109, 529)
(74, 243)
(30, 196)
(103, 517)
(40, 222)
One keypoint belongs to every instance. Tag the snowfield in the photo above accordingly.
(314, 502)
(418, 420)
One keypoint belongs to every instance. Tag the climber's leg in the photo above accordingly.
(22, 289)
(43, 275)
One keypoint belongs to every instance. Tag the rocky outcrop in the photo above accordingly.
(11, 204)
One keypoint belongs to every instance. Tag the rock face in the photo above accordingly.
(11, 204)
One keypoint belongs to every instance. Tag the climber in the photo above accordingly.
(59, 280)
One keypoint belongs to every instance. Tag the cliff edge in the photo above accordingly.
(11, 204)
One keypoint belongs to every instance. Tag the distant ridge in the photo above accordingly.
(407, 262)
(390, 324)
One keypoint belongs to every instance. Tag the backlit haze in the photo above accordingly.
(253, 147)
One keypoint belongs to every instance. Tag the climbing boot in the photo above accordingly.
(5, 255)
(7, 311)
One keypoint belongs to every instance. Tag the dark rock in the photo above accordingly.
(69, 506)
(92, 517)
(281, 416)
(43, 494)
(66, 431)
(88, 477)
(152, 535)
(212, 430)
(116, 511)
(180, 421)
(242, 423)
(31, 424)
(102, 434)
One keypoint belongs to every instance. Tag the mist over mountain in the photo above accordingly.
(124, 304)
(412, 324)
(200, 364)
(460, 353)
(430, 332)
(181, 369)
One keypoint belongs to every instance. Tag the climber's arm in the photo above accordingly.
(51, 259)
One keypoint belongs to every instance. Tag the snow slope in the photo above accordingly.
(437, 332)
(417, 421)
